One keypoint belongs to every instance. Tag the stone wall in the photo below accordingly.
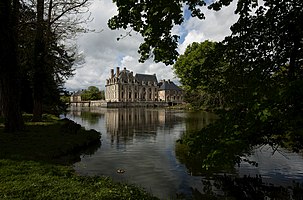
(105, 104)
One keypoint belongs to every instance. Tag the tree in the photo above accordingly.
(200, 70)
(263, 85)
(263, 79)
(58, 24)
(9, 66)
(92, 93)
(40, 51)
(39, 70)
(58, 63)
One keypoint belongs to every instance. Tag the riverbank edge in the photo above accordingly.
(37, 164)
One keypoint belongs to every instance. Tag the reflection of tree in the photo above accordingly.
(215, 146)
(198, 120)
(75, 156)
(86, 114)
(223, 159)
(228, 187)
(193, 162)
(92, 118)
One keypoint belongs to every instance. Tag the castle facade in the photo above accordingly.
(124, 86)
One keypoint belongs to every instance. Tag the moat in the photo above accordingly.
(142, 143)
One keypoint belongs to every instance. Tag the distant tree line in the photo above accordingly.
(92, 93)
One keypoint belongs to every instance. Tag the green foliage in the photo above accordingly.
(257, 71)
(155, 19)
(65, 98)
(200, 70)
(92, 93)
(262, 85)
(57, 63)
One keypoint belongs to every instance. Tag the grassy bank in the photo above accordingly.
(36, 164)
(52, 141)
(34, 180)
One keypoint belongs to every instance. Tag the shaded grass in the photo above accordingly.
(33, 180)
(36, 164)
(48, 141)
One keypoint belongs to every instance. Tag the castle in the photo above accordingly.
(124, 86)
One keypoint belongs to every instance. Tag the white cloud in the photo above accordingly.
(215, 27)
(103, 52)
(192, 36)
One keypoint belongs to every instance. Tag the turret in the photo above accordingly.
(112, 73)
(118, 72)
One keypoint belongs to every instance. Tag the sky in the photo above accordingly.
(102, 52)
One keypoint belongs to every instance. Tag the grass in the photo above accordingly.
(36, 164)
(34, 180)
(52, 141)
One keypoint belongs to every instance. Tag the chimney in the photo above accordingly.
(112, 73)
(118, 72)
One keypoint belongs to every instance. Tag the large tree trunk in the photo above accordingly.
(39, 54)
(1, 104)
(9, 68)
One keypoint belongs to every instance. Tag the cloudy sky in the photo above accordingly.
(103, 52)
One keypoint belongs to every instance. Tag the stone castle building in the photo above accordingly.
(124, 86)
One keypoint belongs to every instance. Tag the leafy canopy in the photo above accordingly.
(262, 85)
(92, 93)
(260, 79)
(154, 21)
(200, 70)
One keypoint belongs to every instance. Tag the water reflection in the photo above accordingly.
(246, 188)
(143, 143)
(125, 124)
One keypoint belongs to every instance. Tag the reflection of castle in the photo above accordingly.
(135, 121)
(126, 123)
(125, 87)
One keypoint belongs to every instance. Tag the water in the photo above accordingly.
(142, 141)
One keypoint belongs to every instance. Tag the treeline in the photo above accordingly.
(92, 93)
(36, 55)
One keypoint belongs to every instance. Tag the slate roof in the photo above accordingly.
(121, 73)
(168, 85)
(146, 78)
(78, 93)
